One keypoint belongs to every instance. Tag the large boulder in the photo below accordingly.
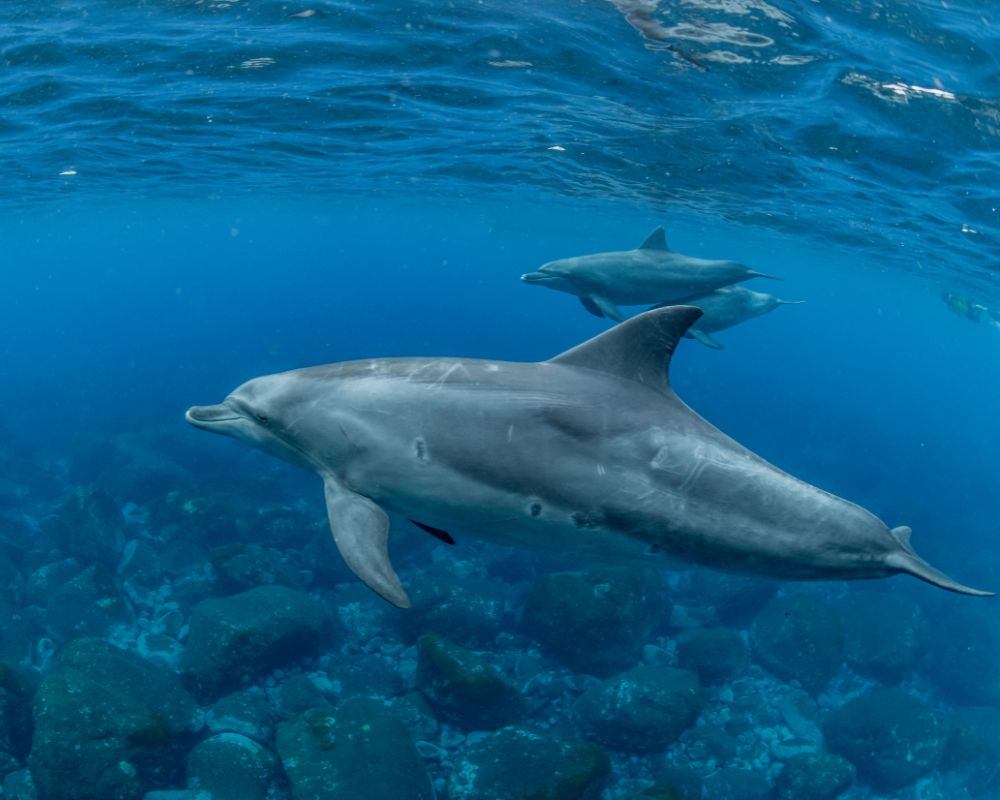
(974, 747)
(732, 783)
(892, 737)
(799, 639)
(358, 750)
(93, 743)
(470, 612)
(642, 710)
(522, 764)
(234, 640)
(716, 654)
(133, 679)
(17, 690)
(734, 599)
(232, 767)
(87, 605)
(88, 525)
(242, 566)
(815, 776)
(596, 621)
(463, 686)
(247, 712)
(884, 634)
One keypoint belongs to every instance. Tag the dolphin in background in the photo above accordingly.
(652, 273)
(727, 307)
(588, 453)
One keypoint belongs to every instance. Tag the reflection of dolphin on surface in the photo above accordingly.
(652, 273)
(590, 452)
(727, 307)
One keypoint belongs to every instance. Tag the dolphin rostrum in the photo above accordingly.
(727, 307)
(590, 452)
(652, 273)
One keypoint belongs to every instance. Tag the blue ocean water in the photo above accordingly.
(197, 193)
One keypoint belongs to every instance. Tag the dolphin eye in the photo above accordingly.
(261, 416)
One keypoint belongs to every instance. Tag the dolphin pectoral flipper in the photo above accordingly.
(609, 309)
(361, 531)
(705, 339)
(591, 306)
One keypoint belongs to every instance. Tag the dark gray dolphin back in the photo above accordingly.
(638, 349)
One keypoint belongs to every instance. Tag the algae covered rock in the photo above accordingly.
(93, 743)
(232, 767)
(469, 612)
(358, 751)
(735, 599)
(19, 785)
(87, 605)
(463, 686)
(134, 679)
(716, 654)
(674, 782)
(798, 638)
(974, 747)
(731, 783)
(247, 712)
(519, 763)
(644, 709)
(17, 690)
(596, 621)
(892, 737)
(89, 525)
(815, 776)
(884, 634)
(235, 639)
(241, 566)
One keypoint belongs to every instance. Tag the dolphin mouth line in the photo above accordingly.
(201, 416)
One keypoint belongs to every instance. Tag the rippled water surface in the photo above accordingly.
(862, 125)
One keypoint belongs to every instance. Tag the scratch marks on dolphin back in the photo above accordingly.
(420, 449)
(457, 367)
(685, 466)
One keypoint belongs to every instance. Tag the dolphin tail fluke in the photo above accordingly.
(906, 560)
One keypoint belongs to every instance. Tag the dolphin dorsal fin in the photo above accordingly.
(638, 349)
(657, 240)
(903, 534)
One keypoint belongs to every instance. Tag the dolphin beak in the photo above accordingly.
(534, 277)
(206, 417)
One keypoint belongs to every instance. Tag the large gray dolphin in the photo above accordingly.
(652, 273)
(727, 307)
(590, 452)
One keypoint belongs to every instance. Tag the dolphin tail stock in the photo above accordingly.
(906, 560)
